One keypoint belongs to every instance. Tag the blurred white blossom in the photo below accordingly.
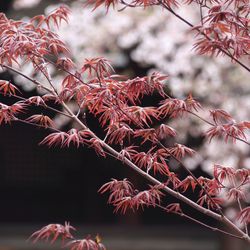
(20, 4)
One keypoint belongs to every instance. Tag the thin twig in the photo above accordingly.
(41, 105)
(35, 124)
(199, 222)
(38, 84)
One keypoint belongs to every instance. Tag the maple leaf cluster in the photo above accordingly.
(53, 231)
(123, 195)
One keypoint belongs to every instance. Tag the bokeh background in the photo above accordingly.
(40, 185)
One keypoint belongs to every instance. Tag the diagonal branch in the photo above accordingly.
(215, 229)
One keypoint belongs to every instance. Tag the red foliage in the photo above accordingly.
(58, 138)
(9, 113)
(231, 131)
(179, 151)
(7, 88)
(85, 244)
(106, 3)
(53, 231)
(188, 182)
(100, 66)
(123, 196)
(212, 203)
(42, 120)
(174, 207)
(244, 215)
(164, 131)
(37, 100)
(220, 116)
(116, 102)
(148, 134)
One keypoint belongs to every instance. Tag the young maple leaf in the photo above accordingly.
(164, 131)
(53, 231)
(8, 113)
(55, 139)
(222, 172)
(234, 131)
(173, 178)
(161, 154)
(171, 3)
(128, 152)
(97, 145)
(42, 120)
(212, 186)
(242, 175)
(99, 65)
(150, 197)
(124, 197)
(18, 107)
(160, 167)
(73, 137)
(236, 193)
(172, 107)
(244, 125)
(210, 202)
(143, 114)
(7, 88)
(210, 47)
(66, 94)
(123, 204)
(57, 16)
(5, 115)
(65, 63)
(156, 83)
(147, 134)
(84, 244)
(244, 215)
(179, 151)
(117, 188)
(186, 183)
(84, 134)
(136, 88)
(118, 132)
(56, 46)
(106, 3)
(215, 131)
(143, 160)
(174, 208)
(220, 116)
(192, 104)
(70, 82)
(37, 100)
